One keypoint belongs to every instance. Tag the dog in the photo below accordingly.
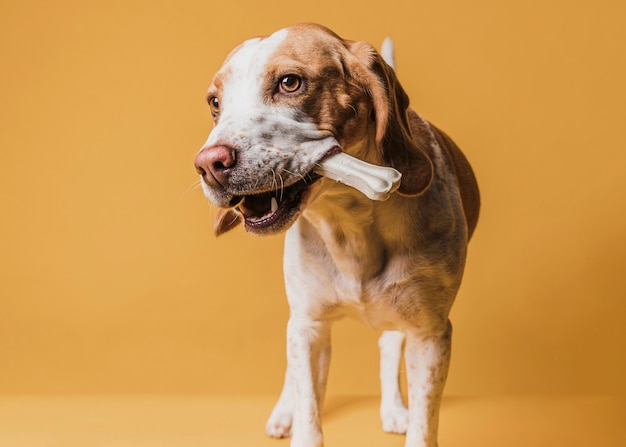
(283, 103)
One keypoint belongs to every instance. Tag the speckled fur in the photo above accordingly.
(396, 264)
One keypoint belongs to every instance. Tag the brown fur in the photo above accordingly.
(397, 263)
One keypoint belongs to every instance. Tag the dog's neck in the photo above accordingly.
(344, 220)
(344, 227)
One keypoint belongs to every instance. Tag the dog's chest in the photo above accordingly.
(369, 298)
(356, 276)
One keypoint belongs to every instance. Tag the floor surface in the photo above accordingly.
(205, 421)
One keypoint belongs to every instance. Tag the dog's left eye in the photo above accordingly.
(290, 83)
(214, 104)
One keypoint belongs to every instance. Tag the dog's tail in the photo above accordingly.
(386, 52)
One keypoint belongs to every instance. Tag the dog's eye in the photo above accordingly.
(214, 104)
(290, 83)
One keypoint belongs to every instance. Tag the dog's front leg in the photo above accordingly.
(308, 357)
(279, 423)
(427, 358)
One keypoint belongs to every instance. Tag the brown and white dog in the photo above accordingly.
(281, 105)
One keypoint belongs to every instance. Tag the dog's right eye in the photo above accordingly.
(290, 84)
(214, 104)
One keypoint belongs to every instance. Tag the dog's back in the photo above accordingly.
(468, 187)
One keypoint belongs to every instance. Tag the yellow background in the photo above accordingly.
(112, 282)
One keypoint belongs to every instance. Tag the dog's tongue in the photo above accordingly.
(258, 205)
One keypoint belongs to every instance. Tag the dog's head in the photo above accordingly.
(283, 103)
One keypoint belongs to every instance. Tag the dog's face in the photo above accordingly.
(280, 105)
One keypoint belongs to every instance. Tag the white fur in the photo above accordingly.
(386, 51)
(393, 413)
(346, 255)
(243, 107)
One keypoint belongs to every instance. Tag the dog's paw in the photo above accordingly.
(395, 420)
(279, 424)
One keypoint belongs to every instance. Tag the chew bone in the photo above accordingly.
(376, 182)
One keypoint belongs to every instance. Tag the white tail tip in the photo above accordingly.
(386, 52)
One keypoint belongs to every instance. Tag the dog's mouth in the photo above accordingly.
(272, 210)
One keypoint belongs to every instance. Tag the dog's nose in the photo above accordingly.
(214, 164)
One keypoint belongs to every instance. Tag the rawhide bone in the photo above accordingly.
(376, 182)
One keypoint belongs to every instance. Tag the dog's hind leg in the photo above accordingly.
(393, 413)
(427, 358)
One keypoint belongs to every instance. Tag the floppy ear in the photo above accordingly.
(397, 146)
(226, 220)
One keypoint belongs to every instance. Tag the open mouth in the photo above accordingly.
(275, 208)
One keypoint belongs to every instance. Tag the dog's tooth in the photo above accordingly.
(274, 205)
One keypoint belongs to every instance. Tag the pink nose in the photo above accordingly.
(215, 163)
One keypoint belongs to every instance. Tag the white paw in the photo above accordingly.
(395, 420)
(279, 424)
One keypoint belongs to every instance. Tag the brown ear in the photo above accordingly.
(226, 220)
(397, 146)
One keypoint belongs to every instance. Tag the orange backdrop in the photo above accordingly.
(110, 277)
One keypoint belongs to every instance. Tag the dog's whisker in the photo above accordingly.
(274, 182)
(270, 178)
(282, 186)
(190, 189)
(235, 217)
(295, 174)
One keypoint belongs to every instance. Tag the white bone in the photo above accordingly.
(376, 182)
